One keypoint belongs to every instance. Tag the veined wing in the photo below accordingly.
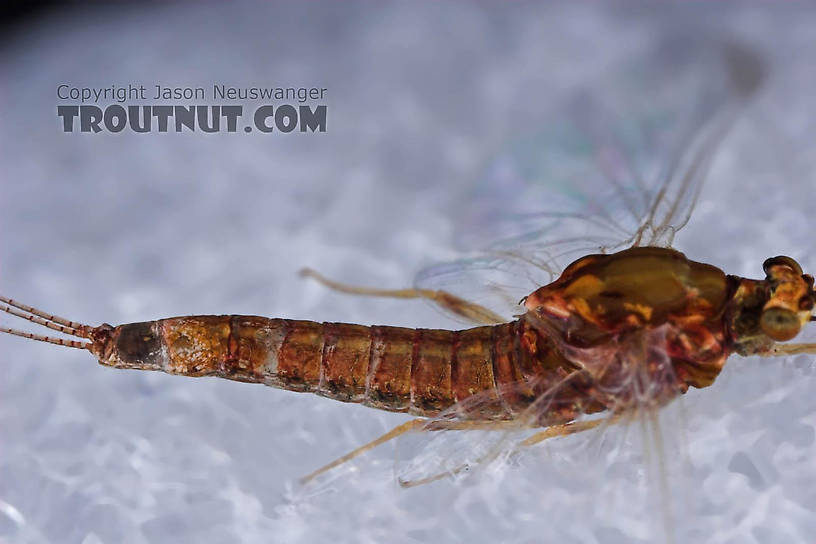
(629, 389)
(621, 163)
(620, 166)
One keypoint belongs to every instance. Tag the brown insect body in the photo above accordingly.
(419, 371)
(646, 314)
(614, 333)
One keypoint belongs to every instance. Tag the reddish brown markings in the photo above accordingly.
(300, 355)
(472, 373)
(509, 379)
(431, 372)
(389, 384)
(254, 344)
(502, 368)
(346, 350)
(541, 364)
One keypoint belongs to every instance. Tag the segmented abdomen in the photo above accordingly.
(419, 371)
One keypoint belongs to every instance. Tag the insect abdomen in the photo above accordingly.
(420, 371)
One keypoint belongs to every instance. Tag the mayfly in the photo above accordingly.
(623, 329)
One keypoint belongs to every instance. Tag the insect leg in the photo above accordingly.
(462, 426)
(469, 310)
(393, 433)
(566, 430)
(413, 425)
(550, 432)
(789, 349)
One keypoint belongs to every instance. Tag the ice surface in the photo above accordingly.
(134, 227)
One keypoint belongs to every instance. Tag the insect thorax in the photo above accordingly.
(646, 315)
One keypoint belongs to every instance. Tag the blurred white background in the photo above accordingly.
(133, 227)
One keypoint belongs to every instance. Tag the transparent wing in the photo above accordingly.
(618, 372)
(619, 163)
(440, 451)
(424, 458)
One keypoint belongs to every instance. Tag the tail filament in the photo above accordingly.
(44, 319)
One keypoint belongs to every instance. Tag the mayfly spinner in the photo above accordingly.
(613, 333)
(626, 328)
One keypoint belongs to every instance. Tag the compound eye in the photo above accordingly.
(780, 324)
(781, 259)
